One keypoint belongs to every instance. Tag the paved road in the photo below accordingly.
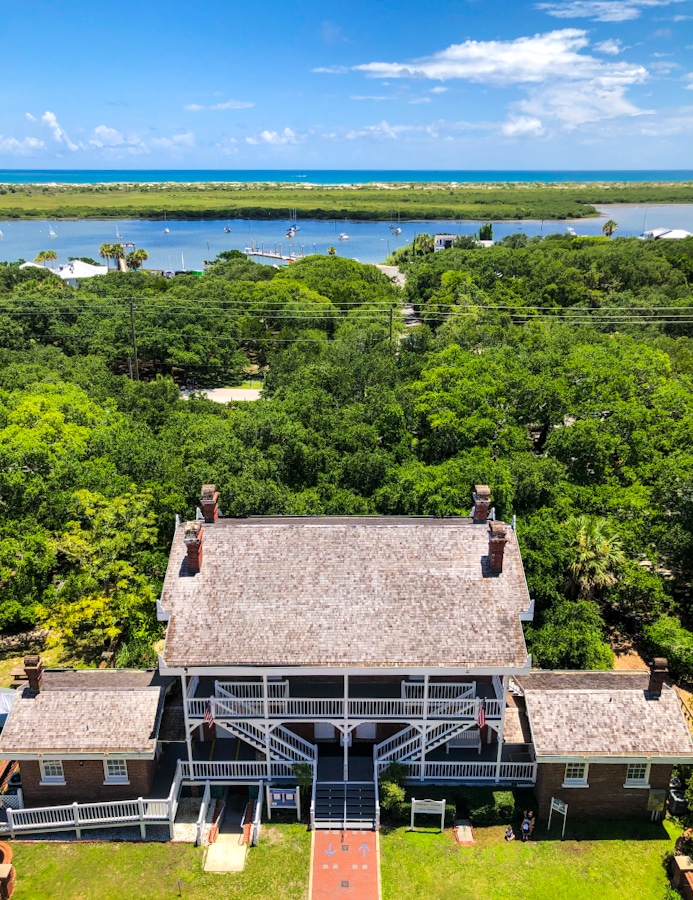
(394, 274)
(225, 395)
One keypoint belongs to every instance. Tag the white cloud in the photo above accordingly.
(110, 139)
(601, 10)
(689, 77)
(176, 142)
(528, 60)
(30, 117)
(383, 131)
(563, 81)
(331, 70)
(438, 90)
(420, 100)
(20, 148)
(612, 47)
(522, 126)
(50, 120)
(287, 136)
(369, 97)
(227, 104)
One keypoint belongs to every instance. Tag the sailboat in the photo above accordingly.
(1, 235)
(52, 232)
(118, 234)
(166, 230)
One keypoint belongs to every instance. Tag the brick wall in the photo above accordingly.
(605, 797)
(84, 782)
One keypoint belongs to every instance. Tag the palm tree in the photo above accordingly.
(596, 556)
(106, 252)
(609, 227)
(117, 253)
(46, 256)
(423, 244)
(135, 259)
(331, 251)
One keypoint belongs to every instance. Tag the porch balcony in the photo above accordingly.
(303, 699)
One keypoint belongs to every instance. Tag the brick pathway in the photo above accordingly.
(345, 866)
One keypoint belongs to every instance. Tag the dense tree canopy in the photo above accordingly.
(558, 371)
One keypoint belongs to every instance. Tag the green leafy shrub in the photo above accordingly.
(488, 807)
(667, 637)
(391, 796)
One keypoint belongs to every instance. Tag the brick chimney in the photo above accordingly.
(496, 545)
(658, 674)
(33, 666)
(193, 541)
(209, 501)
(482, 502)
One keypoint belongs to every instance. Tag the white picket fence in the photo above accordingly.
(79, 816)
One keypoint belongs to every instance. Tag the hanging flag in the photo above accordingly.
(209, 716)
(481, 715)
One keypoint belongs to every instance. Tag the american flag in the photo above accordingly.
(209, 717)
(481, 715)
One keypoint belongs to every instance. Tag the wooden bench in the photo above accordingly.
(465, 739)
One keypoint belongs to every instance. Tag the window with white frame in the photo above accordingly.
(638, 775)
(575, 774)
(52, 771)
(116, 771)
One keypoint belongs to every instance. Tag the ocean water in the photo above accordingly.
(331, 176)
(189, 243)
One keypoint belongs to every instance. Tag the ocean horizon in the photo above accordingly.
(337, 176)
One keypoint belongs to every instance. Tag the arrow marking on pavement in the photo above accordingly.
(364, 848)
(330, 851)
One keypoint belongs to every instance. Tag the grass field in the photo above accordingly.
(598, 861)
(382, 202)
(603, 861)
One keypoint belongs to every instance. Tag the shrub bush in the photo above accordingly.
(667, 637)
(488, 807)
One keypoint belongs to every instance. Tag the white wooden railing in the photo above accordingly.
(414, 690)
(200, 824)
(77, 816)
(333, 708)
(256, 770)
(469, 771)
(257, 818)
(251, 690)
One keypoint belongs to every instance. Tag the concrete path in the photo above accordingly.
(394, 274)
(345, 864)
(225, 395)
(227, 854)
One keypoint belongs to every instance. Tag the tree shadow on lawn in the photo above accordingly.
(601, 830)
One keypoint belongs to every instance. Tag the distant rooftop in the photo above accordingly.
(603, 714)
(86, 711)
(342, 592)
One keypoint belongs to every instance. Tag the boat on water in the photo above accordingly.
(291, 232)
(227, 230)
(1, 235)
(166, 229)
(397, 231)
(343, 236)
(52, 232)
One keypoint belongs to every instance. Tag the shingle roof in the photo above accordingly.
(345, 592)
(603, 714)
(88, 711)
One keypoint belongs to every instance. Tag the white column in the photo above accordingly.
(501, 729)
(424, 730)
(345, 771)
(265, 712)
(188, 741)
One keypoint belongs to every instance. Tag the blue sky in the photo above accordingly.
(467, 84)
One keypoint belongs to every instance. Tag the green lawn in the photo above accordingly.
(599, 861)
(276, 869)
(603, 861)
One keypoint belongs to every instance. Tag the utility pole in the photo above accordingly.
(390, 324)
(134, 339)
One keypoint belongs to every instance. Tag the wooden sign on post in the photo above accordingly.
(560, 807)
(430, 808)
